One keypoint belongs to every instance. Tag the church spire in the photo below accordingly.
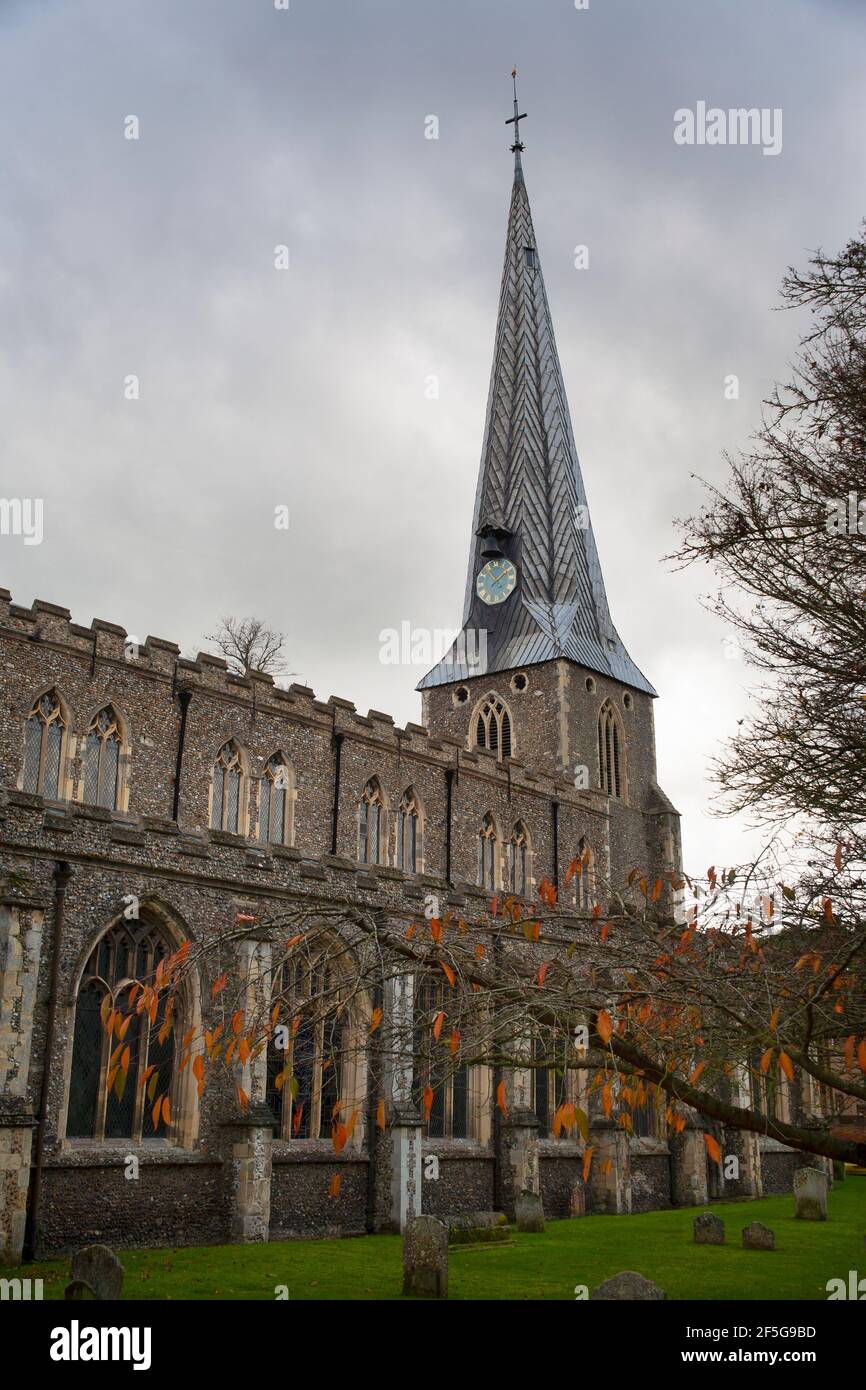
(534, 587)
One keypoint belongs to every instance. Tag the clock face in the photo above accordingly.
(496, 581)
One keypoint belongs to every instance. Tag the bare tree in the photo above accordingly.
(248, 645)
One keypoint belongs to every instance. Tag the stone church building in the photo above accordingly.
(128, 772)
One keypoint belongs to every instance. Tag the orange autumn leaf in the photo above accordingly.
(696, 1073)
(542, 971)
(587, 1162)
(428, 1102)
(293, 941)
(861, 1055)
(410, 931)
(774, 1019)
(335, 1185)
(500, 1098)
(380, 1115)
(296, 1119)
(850, 1044)
(339, 1135)
(787, 1065)
(375, 1020)
(448, 972)
(166, 1111)
(656, 892)
(605, 1025)
(237, 1021)
(766, 1060)
(219, 985)
(454, 1043)
(155, 1112)
(437, 1024)
(479, 952)
(713, 1149)
(243, 1099)
(607, 1099)
(436, 929)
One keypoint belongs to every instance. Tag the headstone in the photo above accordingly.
(709, 1229)
(758, 1237)
(529, 1213)
(810, 1195)
(78, 1291)
(628, 1285)
(477, 1228)
(99, 1267)
(425, 1258)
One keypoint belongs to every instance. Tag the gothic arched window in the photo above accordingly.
(371, 824)
(276, 791)
(124, 959)
(488, 853)
(449, 1104)
(554, 1083)
(102, 760)
(584, 878)
(492, 726)
(408, 836)
(45, 747)
(309, 1078)
(227, 810)
(611, 751)
(518, 860)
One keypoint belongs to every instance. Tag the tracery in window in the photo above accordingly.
(228, 789)
(408, 833)
(276, 788)
(488, 853)
(492, 726)
(101, 761)
(44, 747)
(517, 867)
(124, 959)
(611, 751)
(308, 1079)
(371, 824)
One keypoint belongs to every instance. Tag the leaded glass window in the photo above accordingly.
(370, 824)
(44, 744)
(449, 1116)
(304, 1079)
(102, 760)
(518, 859)
(488, 847)
(123, 960)
(228, 779)
(407, 833)
(275, 789)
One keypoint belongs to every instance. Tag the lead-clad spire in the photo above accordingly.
(530, 495)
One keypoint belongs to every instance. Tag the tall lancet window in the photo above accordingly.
(408, 833)
(584, 879)
(44, 747)
(492, 726)
(228, 788)
(611, 752)
(102, 760)
(488, 853)
(371, 824)
(518, 860)
(276, 789)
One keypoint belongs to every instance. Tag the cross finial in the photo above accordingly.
(515, 121)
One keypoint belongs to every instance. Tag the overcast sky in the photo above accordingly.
(307, 387)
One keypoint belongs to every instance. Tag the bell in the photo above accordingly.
(490, 546)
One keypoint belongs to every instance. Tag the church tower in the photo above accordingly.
(538, 672)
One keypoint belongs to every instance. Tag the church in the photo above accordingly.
(130, 775)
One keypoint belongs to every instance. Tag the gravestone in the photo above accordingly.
(628, 1285)
(99, 1267)
(425, 1258)
(810, 1194)
(577, 1198)
(709, 1229)
(477, 1228)
(77, 1292)
(758, 1237)
(529, 1213)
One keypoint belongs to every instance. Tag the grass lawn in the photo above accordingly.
(658, 1245)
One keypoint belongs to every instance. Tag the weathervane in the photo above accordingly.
(516, 119)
